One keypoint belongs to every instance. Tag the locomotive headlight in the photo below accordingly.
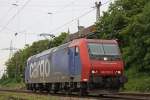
(105, 58)
(118, 72)
(94, 71)
(85, 80)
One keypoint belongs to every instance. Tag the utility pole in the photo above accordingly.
(80, 29)
(78, 25)
(25, 41)
(17, 23)
(97, 5)
(68, 31)
(11, 49)
(50, 20)
(17, 70)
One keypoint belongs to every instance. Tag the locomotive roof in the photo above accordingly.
(102, 41)
(45, 52)
(67, 44)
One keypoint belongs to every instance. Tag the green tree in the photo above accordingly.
(128, 21)
(16, 65)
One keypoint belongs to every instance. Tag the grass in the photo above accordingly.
(11, 84)
(137, 82)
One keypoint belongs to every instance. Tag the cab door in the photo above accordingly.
(71, 61)
(74, 61)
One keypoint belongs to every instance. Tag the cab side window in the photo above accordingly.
(76, 50)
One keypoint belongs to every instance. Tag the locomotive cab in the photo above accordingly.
(106, 65)
(105, 59)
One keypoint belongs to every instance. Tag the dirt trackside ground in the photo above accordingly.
(26, 96)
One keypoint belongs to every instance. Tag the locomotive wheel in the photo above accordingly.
(83, 89)
(68, 92)
(56, 87)
(55, 91)
(116, 84)
(83, 92)
(34, 90)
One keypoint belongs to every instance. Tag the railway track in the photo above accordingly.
(104, 96)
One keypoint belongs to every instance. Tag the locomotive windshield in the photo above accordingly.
(99, 51)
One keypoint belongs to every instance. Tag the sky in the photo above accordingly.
(29, 18)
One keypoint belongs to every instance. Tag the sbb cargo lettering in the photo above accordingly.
(40, 68)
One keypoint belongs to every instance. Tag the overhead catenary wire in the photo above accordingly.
(66, 6)
(23, 6)
(5, 15)
(11, 30)
(63, 25)
(47, 6)
(8, 22)
(58, 28)
(106, 2)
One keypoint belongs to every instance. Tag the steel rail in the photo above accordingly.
(112, 96)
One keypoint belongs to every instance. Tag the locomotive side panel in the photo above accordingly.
(60, 66)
